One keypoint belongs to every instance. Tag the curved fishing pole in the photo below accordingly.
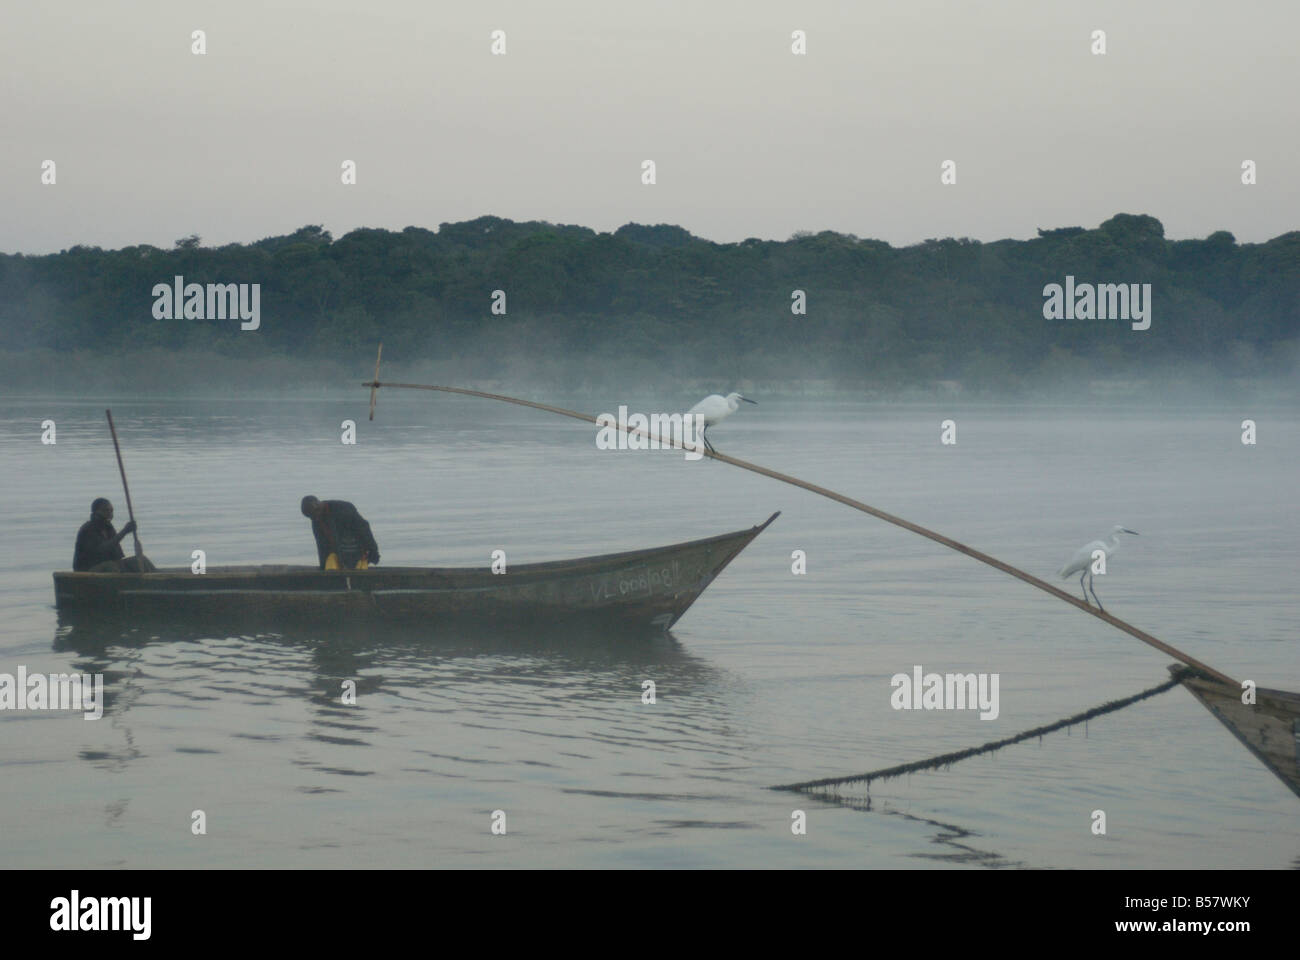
(948, 542)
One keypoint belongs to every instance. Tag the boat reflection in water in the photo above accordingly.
(575, 663)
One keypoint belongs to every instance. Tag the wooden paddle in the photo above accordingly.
(122, 470)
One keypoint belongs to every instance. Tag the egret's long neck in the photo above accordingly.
(1113, 543)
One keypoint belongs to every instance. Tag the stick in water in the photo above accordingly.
(373, 389)
(122, 470)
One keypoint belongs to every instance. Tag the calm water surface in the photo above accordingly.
(770, 678)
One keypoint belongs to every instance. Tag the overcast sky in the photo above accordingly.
(153, 143)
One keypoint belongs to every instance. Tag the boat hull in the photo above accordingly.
(1269, 727)
(644, 589)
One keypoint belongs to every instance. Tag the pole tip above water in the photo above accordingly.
(374, 384)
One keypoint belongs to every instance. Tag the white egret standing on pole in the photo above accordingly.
(714, 409)
(1081, 562)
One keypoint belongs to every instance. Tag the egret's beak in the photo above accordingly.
(747, 400)
(1134, 532)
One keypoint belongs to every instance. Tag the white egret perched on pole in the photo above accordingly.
(1082, 561)
(714, 409)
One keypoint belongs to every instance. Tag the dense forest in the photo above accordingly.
(589, 306)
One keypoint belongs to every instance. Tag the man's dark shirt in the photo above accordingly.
(96, 542)
(340, 528)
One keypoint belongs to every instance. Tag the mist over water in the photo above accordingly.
(769, 678)
(667, 377)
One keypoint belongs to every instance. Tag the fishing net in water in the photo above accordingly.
(829, 787)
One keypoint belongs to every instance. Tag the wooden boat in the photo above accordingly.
(1270, 727)
(647, 590)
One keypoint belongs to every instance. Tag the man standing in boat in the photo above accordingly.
(99, 546)
(343, 537)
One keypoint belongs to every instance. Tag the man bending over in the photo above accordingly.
(343, 538)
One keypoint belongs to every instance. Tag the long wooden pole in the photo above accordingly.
(122, 470)
(997, 564)
(378, 356)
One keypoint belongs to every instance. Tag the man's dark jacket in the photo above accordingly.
(341, 529)
(96, 542)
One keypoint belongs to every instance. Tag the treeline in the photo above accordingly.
(655, 298)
